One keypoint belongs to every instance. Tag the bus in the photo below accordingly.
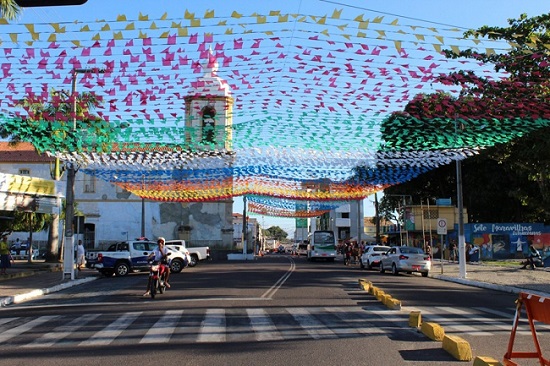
(322, 245)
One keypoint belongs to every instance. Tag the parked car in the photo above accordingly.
(183, 250)
(371, 256)
(406, 259)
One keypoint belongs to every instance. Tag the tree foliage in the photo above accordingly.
(275, 232)
(507, 182)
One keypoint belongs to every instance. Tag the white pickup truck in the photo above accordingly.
(125, 257)
(197, 253)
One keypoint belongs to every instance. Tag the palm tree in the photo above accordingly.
(9, 9)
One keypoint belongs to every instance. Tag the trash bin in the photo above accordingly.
(474, 254)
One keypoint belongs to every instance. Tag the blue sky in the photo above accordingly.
(462, 14)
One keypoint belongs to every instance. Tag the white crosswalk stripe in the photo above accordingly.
(163, 329)
(213, 326)
(219, 325)
(113, 330)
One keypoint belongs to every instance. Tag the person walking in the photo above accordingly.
(80, 255)
(5, 262)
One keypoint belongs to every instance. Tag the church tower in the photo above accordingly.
(208, 125)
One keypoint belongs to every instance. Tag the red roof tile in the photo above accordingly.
(22, 152)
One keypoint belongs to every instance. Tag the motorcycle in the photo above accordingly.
(537, 262)
(157, 280)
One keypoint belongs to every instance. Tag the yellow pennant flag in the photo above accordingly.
(209, 14)
(342, 27)
(261, 19)
(336, 14)
(121, 18)
(394, 22)
(325, 32)
(323, 20)
(117, 36)
(86, 28)
(381, 34)
(106, 27)
(143, 17)
(153, 26)
(273, 13)
(188, 15)
(183, 32)
(76, 43)
(57, 28)
(440, 39)
(130, 26)
(378, 20)
(13, 37)
(229, 31)
(236, 15)
(455, 50)
(361, 35)
(195, 22)
(359, 18)
(420, 37)
(437, 48)
(97, 37)
(165, 35)
(142, 35)
(164, 16)
(364, 25)
(175, 25)
(52, 37)
(283, 18)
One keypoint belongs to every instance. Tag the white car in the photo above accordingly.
(406, 259)
(183, 250)
(371, 256)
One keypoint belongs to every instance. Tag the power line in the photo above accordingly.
(392, 14)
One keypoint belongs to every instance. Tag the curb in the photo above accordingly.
(489, 286)
(17, 299)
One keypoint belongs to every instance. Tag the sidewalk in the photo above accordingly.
(26, 281)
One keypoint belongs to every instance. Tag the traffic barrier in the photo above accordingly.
(537, 308)
(457, 347)
(415, 319)
(486, 361)
(433, 331)
(393, 304)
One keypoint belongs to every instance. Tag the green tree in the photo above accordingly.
(509, 179)
(275, 232)
(9, 10)
(49, 126)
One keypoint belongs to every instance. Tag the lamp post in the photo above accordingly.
(143, 207)
(68, 252)
(459, 201)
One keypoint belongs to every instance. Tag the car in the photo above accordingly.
(406, 259)
(281, 249)
(183, 250)
(371, 256)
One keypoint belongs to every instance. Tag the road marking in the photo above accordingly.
(7, 320)
(510, 318)
(163, 328)
(14, 332)
(269, 293)
(108, 334)
(263, 326)
(213, 326)
(50, 338)
(352, 317)
(311, 325)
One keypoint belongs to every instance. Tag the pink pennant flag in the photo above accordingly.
(193, 39)
(147, 41)
(172, 39)
(238, 44)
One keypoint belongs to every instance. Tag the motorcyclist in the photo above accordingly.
(160, 254)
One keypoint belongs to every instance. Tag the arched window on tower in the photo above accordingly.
(208, 124)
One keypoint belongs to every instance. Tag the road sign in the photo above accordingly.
(442, 226)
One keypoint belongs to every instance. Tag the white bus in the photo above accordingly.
(322, 244)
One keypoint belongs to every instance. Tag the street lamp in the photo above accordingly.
(143, 207)
(68, 252)
(461, 237)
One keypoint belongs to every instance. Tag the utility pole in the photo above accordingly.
(68, 252)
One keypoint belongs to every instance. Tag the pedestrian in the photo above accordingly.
(452, 251)
(429, 250)
(17, 246)
(80, 255)
(5, 262)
